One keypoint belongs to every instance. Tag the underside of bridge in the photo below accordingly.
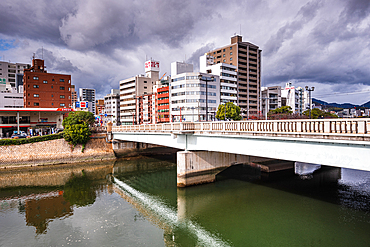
(198, 167)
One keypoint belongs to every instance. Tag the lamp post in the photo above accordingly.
(266, 102)
(206, 79)
(225, 110)
(309, 96)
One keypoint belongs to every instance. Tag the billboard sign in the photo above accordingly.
(151, 66)
(82, 104)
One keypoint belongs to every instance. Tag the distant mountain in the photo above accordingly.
(367, 104)
(344, 105)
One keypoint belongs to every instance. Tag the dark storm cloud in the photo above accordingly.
(194, 58)
(36, 20)
(305, 14)
(128, 24)
(333, 50)
(55, 63)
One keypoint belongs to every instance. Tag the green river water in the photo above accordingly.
(136, 203)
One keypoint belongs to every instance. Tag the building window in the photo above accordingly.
(51, 86)
(231, 59)
(35, 78)
(36, 95)
(224, 50)
(52, 103)
(62, 96)
(145, 82)
(231, 48)
(45, 82)
(62, 104)
(35, 103)
(36, 86)
(29, 103)
(61, 80)
(224, 55)
(61, 88)
(145, 87)
(224, 60)
(231, 53)
(52, 95)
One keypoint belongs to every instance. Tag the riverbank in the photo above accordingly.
(54, 152)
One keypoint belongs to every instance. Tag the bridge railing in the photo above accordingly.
(318, 126)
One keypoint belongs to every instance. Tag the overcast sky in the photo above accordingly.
(320, 43)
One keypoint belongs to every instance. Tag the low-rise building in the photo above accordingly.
(46, 90)
(33, 121)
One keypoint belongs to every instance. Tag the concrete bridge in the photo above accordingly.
(210, 147)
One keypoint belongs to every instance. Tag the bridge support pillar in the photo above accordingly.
(200, 167)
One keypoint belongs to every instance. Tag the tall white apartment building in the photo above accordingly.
(88, 94)
(112, 107)
(228, 77)
(296, 98)
(12, 73)
(193, 95)
(136, 86)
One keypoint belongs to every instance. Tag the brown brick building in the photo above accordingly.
(247, 57)
(46, 90)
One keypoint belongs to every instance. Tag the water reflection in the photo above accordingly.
(60, 189)
(244, 206)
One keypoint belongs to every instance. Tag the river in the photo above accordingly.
(135, 202)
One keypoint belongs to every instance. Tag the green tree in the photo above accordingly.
(232, 112)
(79, 117)
(76, 128)
(317, 113)
(77, 134)
(282, 110)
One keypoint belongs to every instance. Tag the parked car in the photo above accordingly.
(22, 134)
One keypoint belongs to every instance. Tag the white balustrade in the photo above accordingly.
(297, 126)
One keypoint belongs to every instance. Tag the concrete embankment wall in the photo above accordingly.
(54, 152)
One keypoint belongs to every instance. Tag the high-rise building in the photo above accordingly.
(295, 97)
(88, 94)
(73, 95)
(271, 98)
(194, 96)
(162, 90)
(227, 74)
(12, 73)
(46, 90)
(112, 108)
(247, 57)
(136, 86)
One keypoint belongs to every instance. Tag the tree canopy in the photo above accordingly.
(79, 117)
(282, 110)
(232, 112)
(76, 127)
(317, 113)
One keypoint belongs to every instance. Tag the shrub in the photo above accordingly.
(6, 142)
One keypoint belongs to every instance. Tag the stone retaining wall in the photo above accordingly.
(54, 152)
